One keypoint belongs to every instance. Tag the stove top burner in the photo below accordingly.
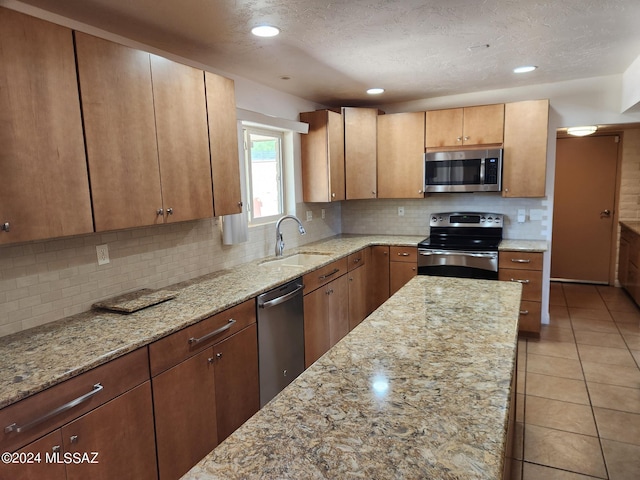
(464, 231)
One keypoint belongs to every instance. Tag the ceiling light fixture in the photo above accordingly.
(265, 31)
(582, 131)
(375, 91)
(524, 69)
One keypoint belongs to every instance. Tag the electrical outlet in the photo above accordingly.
(309, 215)
(103, 254)
(323, 213)
(401, 211)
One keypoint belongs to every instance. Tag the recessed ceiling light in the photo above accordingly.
(265, 31)
(375, 91)
(524, 69)
(582, 131)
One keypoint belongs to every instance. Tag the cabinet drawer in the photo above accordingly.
(529, 320)
(403, 254)
(324, 275)
(531, 281)
(356, 259)
(520, 260)
(171, 350)
(91, 389)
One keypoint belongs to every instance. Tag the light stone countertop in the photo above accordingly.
(524, 245)
(632, 225)
(420, 389)
(41, 357)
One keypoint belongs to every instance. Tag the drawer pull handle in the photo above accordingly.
(403, 254)
(195, 341)
(333, 272)
(63, 408)
(524, 282)
(524, 312)
(357, 260)
(521, 260)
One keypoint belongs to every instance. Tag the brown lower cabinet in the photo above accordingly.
(524, 268)
(357, 296)
(378, 277)
(113, 416)
(403, 267)
(184, 399)
(205, 385)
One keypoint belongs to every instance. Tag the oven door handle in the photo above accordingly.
(458, 254)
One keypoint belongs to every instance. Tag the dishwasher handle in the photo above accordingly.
(282, 299)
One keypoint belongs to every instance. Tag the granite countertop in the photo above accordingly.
(420, 389)
(632, 225)
(41, 357)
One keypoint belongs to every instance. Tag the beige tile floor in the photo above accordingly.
(578, 404)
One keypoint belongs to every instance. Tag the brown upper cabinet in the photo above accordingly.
(400, 155)
(455, 127)
(183, 146)
(146, 132)
(223, 138)
(45, 187)
(323, 157)
(524, 166)
(360, 152)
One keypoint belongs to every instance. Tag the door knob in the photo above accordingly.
(605, 213)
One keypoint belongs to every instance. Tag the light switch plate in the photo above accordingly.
(309, 215)
(401, 211)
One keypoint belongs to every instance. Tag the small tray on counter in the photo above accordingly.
(134, 301)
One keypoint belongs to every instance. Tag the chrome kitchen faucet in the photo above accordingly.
(279, 240)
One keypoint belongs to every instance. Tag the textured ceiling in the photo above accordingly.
(333, 50)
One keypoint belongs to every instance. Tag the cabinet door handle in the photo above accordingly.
(520, 260)
(169, 211)
(333, 272)
(195, 341)
(524, 312)
(524, 282)
(160, 211)
(61, 409)
(5, 227)
(403, 254)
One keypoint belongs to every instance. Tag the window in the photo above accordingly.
(263, 157)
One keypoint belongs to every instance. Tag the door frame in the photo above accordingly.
(615, 230)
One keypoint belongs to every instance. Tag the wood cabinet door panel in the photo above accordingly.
(45, 185)
(483, 125)
(360, 152)
(116, 377)
(172, 349)
(357, 296)
(338, 309)
(524, 166)
(322, 153)
(520, 260)
(316, 326)
(399, 274)
(51, 470)
(237, 382)
(530, 315)
(121, 432)
(531, 281)
(119, 123)
(223, 138)
(184, 400)
(378, 277)
(443, 128)
(401, 155)
(183, 140)
(623, 263)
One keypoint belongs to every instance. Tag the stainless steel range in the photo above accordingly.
(461, 244)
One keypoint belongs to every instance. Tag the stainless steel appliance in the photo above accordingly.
(280, 338)
(463, 171)
(461, 245)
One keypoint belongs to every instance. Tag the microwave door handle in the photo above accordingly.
(482, 167)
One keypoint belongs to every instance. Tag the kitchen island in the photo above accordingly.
(421, 389)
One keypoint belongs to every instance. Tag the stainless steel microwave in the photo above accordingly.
(463, 171)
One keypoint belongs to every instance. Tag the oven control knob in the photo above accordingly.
(439, 219)
(434, 219)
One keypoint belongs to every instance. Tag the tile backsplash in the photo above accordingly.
(44, 281)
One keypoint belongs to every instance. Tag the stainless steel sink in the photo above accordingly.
(299, 260)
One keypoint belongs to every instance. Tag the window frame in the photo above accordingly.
(247, 130)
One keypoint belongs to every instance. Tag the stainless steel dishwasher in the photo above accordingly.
(280, 338)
